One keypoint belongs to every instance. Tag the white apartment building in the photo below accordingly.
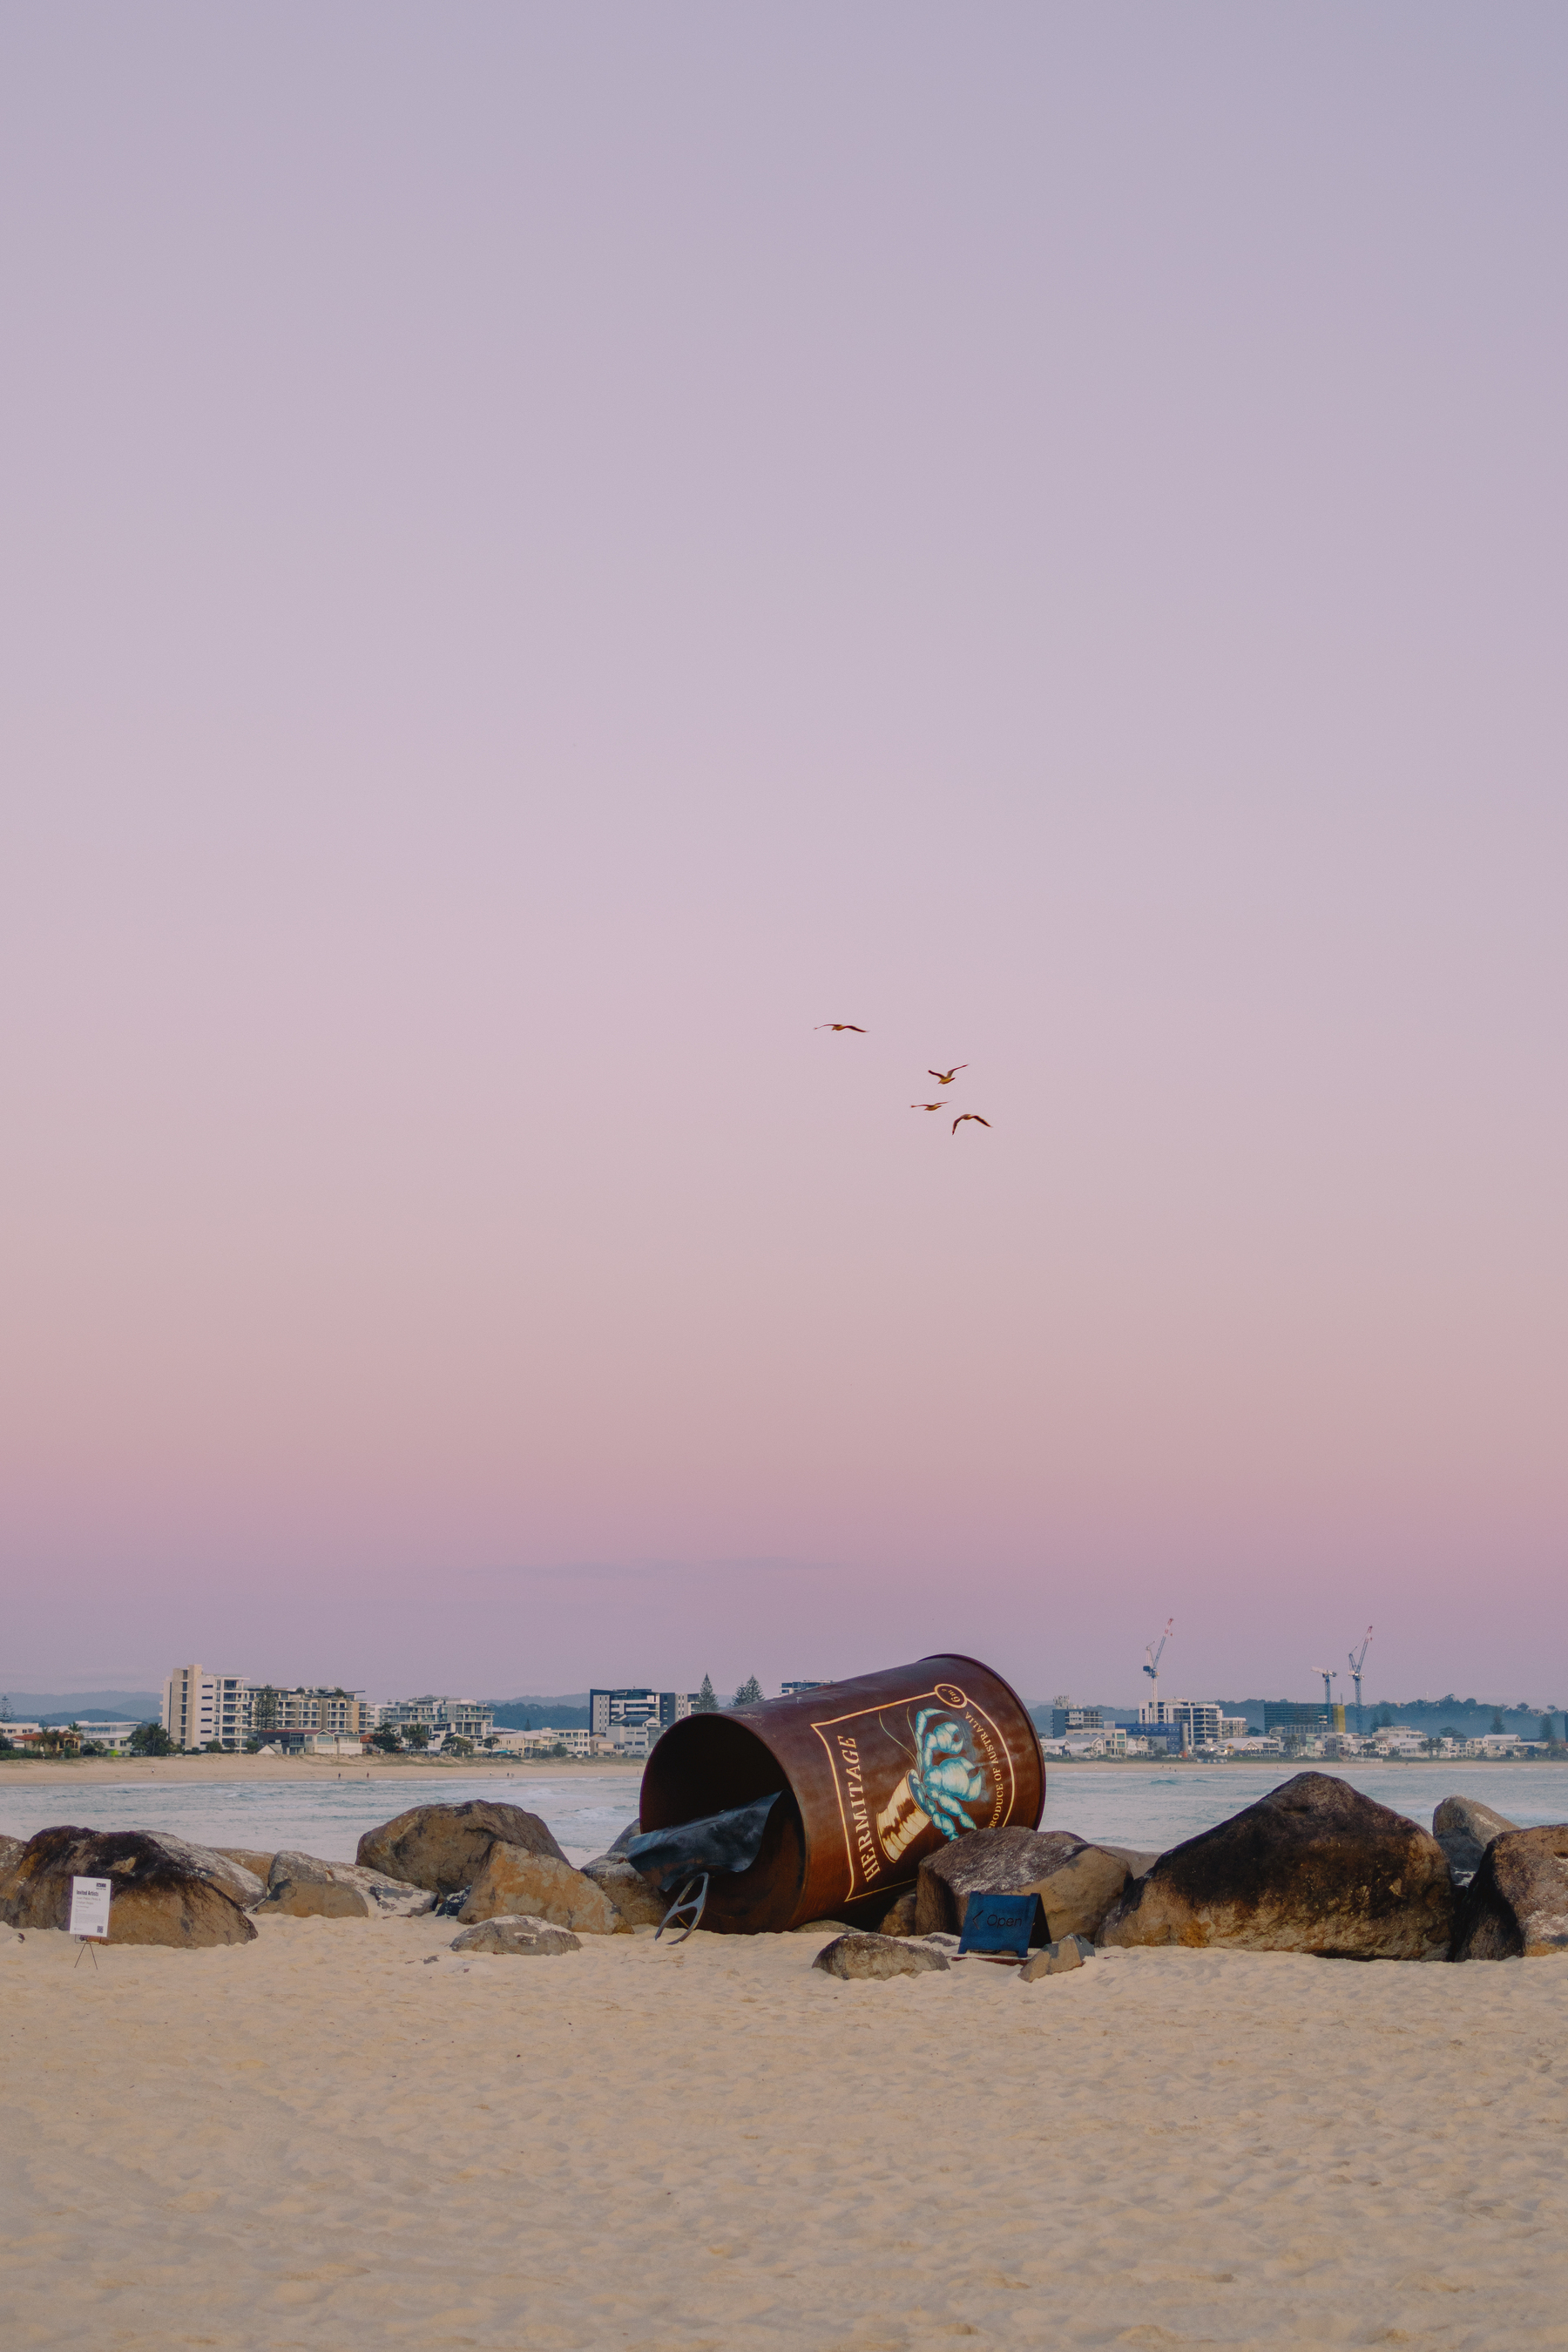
(460, 1718)
(115, 1736)
(1199, 1720)
(610, 1710)
(199, 1708)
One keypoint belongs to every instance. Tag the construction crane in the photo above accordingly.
(1331, 1676)
(1355, 1660)
(1153, 1654)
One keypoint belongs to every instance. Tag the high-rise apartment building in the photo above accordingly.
(608, 1709)
(199, 1708)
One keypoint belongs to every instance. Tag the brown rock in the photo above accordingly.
(164, 1890)
(639, 1902)
(1464, 1828)
(1314, 1867)
(10, 1852)
(855, 1956)
(1071, 1952)
(302, 1887)
(1076, 1882)
(900, 1919)
(443, 1847)
(514, 1882)
(248, 1859)
(1516, 1906)
(1139, 1859)
(524, 1938)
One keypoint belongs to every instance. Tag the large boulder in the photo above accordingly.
(632, 1830)
(164, 1890)
(1464, 1828)
(637, 1899)
(1076, 1882)
(1314, 1867)
(443, 1847)
(1516, 1906)
(525, 1938)
(858, 1957)
(512, 1881)
(301, 1886)
(10, 1850)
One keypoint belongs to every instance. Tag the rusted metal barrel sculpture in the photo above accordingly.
(872, 1775)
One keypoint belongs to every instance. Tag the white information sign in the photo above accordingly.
(90, 1906)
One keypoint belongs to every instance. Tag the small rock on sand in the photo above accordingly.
(858, 1956)
(1464, 1828)
(1516, 1906)
(523, 1937)
(1069, 1952)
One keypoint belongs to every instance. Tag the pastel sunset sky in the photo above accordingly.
(548, 551)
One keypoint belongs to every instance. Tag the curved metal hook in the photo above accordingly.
(684, 1901)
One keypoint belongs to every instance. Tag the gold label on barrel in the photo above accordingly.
(909, 1775)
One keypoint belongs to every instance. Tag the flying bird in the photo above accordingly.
(928, 1105)
(975, 1115)
(842, 1024)
(946, 1078)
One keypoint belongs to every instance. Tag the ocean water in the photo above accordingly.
(1153, 1805)
(1158, 1805)
(586, 1809)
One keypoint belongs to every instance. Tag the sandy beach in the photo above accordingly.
(321, 2139)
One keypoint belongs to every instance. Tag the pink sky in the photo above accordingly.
(547, 552)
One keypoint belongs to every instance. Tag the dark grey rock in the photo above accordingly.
(1516, 1906)
(1077, 1882)
(1464, 1828)
(164, 1890)
(1314, 1867)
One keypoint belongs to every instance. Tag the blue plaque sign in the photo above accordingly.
(997, 1923)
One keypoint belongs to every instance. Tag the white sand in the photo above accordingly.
(317, 2140)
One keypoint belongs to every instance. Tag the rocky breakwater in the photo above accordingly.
(1314, 1867)
(162, 1889)
(1076, 1881)
(502, 1862)
(1515, 1905)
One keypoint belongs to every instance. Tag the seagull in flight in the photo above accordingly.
(842, 1024)
(975, 1115)
(928, 1105)
(946, 1078)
